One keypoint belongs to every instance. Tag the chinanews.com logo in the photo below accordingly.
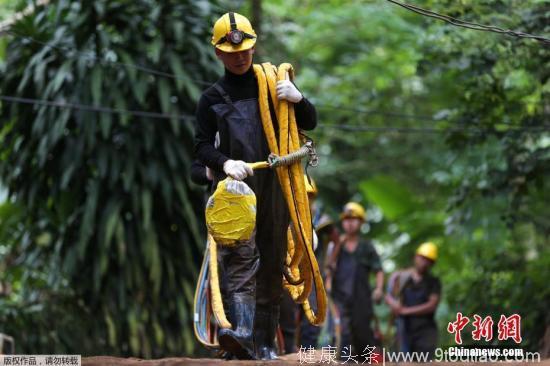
(487, 354)
(508, 328)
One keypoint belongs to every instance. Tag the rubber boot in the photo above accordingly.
(238, 341)
(265, 327)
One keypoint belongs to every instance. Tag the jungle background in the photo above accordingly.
(441, 132)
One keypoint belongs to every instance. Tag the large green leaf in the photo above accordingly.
(393, 198)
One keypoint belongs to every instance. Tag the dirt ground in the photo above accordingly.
(292, 359)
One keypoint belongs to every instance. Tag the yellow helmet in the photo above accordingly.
(428, 250)
(353, 210)
(233, 33)
(311, 187)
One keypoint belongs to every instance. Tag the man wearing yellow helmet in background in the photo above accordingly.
(351, 262)
(229, 108)
(413, 296)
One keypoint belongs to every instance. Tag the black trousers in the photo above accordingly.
(255, 267)
(423, 340)
(356, 328)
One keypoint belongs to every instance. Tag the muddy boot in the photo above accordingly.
(224, 355)
(265, 326)
(238, 341)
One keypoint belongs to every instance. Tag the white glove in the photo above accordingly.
(237, 169)
(287, 90)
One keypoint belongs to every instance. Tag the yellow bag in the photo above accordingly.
(231, 212)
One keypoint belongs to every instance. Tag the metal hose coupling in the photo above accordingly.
(307, 150)
(313, 157)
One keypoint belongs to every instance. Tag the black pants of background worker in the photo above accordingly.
(353, 298)
(423, 340)
(355, 322)
(309, 333)
(292, 318)
(287, 322)
(241, 133)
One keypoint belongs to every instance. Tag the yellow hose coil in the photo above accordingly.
(302, 261)
(292, 272)
(217, 303)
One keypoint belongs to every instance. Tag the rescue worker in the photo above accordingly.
(416, 293)
(253, 268)
(351, 263)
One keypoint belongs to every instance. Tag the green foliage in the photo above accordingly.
(480, 189)
(501, 175)
(392, 198)
(8, 8)
(501, 87)
(110, 222)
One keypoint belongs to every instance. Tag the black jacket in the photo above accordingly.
(239, 87)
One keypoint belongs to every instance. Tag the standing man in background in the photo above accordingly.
(350, 265)
(416, 294)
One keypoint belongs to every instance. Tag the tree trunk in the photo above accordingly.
(256, 6)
